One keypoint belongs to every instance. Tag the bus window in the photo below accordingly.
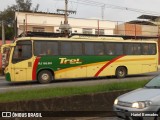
(119, 49)
(77, 48)
(89, 48)
(137, 49)
(45, 48)
(110, 48)
(66, 48)
(99, 49)
(52, 48)
(128, 49)
(22, 51)
(145, 49)
(152, 49)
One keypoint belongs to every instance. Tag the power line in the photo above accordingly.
(98, 4)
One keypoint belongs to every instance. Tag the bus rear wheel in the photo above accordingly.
(121, 72)
(45, 76)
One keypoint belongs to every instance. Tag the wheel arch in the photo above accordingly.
(122, 66)
(48, 69)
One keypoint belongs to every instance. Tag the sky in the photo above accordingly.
(115, 10)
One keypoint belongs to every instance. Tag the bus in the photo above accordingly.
(46, 59)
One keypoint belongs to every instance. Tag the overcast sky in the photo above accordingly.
(118, 13)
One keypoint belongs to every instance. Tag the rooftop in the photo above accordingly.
(149, 17)
(141, 22)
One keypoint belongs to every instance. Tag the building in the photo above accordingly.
(137, 28)
(49, 22)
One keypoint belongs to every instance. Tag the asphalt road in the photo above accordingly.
(7, 86)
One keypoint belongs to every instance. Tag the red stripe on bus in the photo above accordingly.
(107, 64)
(35, 68)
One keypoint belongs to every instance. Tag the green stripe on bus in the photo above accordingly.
(56, 62)
(8, 77)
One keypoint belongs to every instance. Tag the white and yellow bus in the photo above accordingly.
(46, 59)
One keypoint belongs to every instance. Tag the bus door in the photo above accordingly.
(22, 61)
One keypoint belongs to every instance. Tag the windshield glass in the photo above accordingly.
(154, 83)
(22, 51)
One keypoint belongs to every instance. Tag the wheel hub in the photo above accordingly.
(45, 76)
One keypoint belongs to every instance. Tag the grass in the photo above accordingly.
(68, 91)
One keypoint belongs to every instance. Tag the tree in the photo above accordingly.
(23, 5)
(8, 15)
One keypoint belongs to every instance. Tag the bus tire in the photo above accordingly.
(45, 77)
(121, 72)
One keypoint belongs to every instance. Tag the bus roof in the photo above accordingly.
(85, 38)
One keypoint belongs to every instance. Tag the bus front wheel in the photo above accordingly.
(44, 77)
(121, 72)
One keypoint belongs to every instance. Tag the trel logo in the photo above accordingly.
(70, 61)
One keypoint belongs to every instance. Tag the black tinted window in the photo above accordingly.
(99, 49)
(136, 49)
(152, 49)
(145, 49)
(89, 48)
(45, 48)
(77, 48)
(110, 48)
(119, 49)
(66, 48)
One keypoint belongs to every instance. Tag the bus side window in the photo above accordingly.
(77, 48)
(137, 49)
(99, 48)
(52, 48)
(66, 48)
(89, 48)
(45, 48)
(145, 49)
(110, 48)
(129, 49)
(119, 49)
(152, 49)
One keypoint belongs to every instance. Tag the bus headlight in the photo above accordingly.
(141, 104)
(116, 102)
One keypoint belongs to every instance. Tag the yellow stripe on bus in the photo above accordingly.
(100, 63)
(142, 59)
(86, 65)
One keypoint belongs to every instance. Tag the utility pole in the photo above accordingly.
(3, 29)
(65, 27)
(3, 33)
(103, 9)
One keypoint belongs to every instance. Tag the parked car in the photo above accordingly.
(140, 104)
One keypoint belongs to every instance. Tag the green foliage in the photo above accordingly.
(24, 5)
(69, 91)
(8, 15)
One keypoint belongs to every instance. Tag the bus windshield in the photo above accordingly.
(22, 51)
